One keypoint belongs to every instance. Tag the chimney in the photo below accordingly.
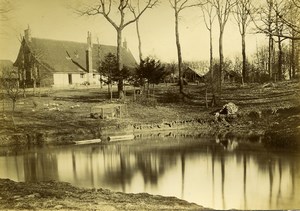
(89, 40)
(125, 44)
(89, 53)
(27, 34)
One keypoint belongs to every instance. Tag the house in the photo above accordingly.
(45, 62)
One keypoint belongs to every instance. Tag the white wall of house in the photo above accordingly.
(69, 79)
(60, 79)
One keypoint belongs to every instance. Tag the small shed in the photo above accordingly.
(193, 74)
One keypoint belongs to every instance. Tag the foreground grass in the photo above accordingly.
(62, 196)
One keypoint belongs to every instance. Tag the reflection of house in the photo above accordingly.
(61, 63)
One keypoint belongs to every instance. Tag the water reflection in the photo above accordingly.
(221, 173)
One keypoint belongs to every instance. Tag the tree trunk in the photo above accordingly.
(206, 101)
(178, 53)
(270, 71)
(211, 58)
(139, 39)
(293, 66)
(3, 102)
(13, 106)
(280, 74)
(270, 59)
(220, 78)
(211, 66)
(244, 70)
(111, 92)
(120, 65)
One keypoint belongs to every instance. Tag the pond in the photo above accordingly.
(212, 172)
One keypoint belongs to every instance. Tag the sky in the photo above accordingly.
(56, 19)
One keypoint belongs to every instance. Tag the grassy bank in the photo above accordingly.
(62, 196)
(61, 116)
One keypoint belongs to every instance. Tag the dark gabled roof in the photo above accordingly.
(199, 72)
(53, 54)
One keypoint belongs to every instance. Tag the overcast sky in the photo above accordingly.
(54, 19)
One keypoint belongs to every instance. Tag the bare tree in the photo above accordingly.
(242, 14)
(209, 17)
(276, 25)
(293, 17)
(178, 6)
(267, 16)
(104, 8)
(135, 12)
(136, 9)
(10, 83)
(279, 27)
(223, 9)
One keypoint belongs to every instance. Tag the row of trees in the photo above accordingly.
(149, 71)
(278, 19)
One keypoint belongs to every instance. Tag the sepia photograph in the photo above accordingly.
(149, 105)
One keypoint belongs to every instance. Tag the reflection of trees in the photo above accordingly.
(223, 179)
(40, 166)
(123, 163)
(271, 167)
(245, 180)
(213, 174)
(271, 183)
(182, 156)
(120, 171)
(152, 165)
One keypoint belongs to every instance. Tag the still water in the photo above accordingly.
(220, 174)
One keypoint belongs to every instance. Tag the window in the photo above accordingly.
(70, 78)
(81, 75)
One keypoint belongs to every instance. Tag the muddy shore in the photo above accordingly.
(62, 196)
(274, 127)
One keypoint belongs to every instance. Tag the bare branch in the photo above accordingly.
(185, 5)
(150, 4)
(172, 5)
(296, 3)
(207, 10)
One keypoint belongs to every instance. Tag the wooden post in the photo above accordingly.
(134, 94)
(102, 113)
